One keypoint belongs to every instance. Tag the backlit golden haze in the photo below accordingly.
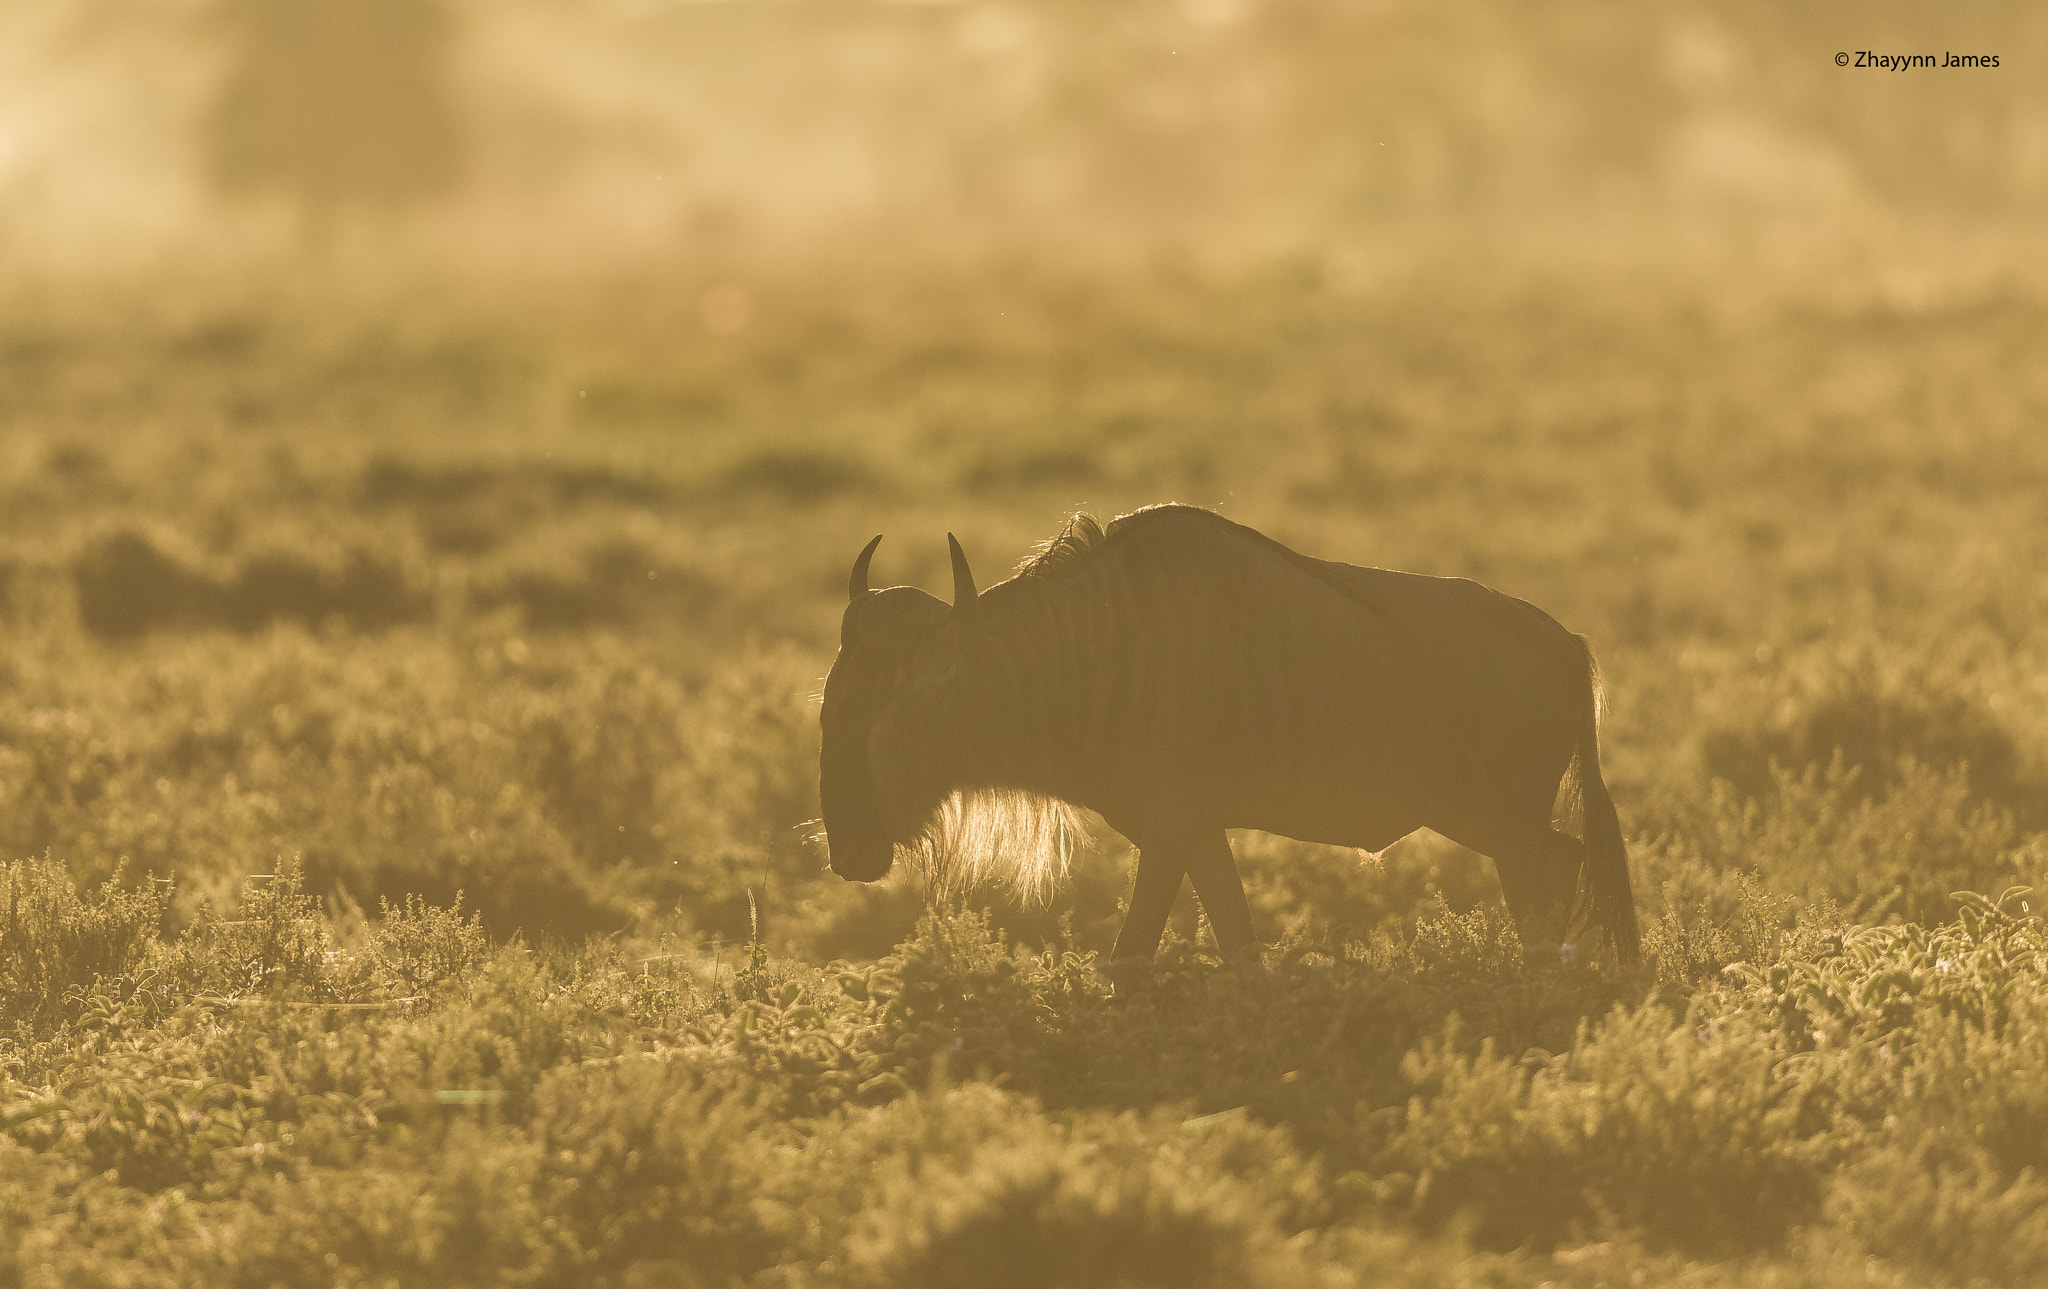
(635, 133)
(434, 436)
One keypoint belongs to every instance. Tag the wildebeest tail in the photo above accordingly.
(1605, 897)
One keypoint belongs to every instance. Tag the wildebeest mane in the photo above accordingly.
(1078, 540)
(1082, 539)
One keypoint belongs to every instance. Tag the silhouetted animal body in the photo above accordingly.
(1181, 674)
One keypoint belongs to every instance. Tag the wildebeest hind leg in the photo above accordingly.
(1540, 883)
(1539, 874)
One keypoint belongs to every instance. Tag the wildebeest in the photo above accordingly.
(1180, 674)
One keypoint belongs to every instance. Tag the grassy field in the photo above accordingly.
(408, 744)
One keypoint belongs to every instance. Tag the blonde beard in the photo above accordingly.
(998, 837)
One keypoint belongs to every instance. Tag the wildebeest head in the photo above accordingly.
(875, 791)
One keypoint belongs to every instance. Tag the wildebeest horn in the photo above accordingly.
(963, 578)
(857, 585)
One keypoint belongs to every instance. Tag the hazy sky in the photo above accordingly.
(568, 128)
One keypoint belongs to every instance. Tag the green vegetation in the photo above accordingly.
(407, 755)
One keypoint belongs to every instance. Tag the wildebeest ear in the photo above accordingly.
(963, 577)
(857, 585)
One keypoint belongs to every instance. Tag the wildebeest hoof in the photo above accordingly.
(1544, 953)
(1247, 959)
(1129, 977)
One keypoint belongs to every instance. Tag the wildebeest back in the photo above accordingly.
(1277, 691)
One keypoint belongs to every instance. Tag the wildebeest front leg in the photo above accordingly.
(1160, 869)
(1206, 858)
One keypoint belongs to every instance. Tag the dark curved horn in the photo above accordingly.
(857, 585)
(963, 578)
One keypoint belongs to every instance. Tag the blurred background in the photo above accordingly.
(595, 135)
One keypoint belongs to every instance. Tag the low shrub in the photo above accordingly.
(1879, 722)
(130, 582)
(55, 941)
